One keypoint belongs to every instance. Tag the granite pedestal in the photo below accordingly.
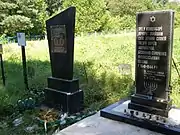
(167, 125)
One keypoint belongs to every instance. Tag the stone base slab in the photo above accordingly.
(120, 112)
(96, 125)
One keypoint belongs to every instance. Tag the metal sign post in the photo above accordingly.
(2, 65)
(22, 42)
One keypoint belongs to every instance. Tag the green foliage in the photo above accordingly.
(29, 16)
(117, 24)
(128, 7)
(16, 23)
(3, 40)
(113, 24)
(22, 15)
(176, 8)
(90, 16)
(53, 6)
(123, 12)
(177, 19)
(127, 22)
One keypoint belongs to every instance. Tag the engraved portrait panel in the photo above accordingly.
(58, 39)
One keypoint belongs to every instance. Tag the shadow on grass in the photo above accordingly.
(37, 71)
(102, 89)
(99, 90)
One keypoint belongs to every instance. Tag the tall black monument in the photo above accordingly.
(150, 106)
(63, 90)
(154, 37)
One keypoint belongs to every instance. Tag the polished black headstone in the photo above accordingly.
(60, 34)
(154, 38)
(63, 90)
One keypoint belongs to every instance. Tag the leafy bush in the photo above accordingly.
(3, 39)
(127, 22)
(128, 7)
(16, 23)
(117, 24)
(122, 14)
(90, 15)
(176, 8)
(115, 15)
(22, 15)
(112, 25)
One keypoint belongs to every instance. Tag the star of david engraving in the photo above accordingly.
(152, 18)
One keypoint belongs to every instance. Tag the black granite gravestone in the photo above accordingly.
(63, 91)
(154, 37)
(150, 107)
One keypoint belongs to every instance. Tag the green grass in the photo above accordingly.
(105, 53)
(97, 58)
(96, 65)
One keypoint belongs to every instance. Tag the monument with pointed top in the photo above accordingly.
(63, 90)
